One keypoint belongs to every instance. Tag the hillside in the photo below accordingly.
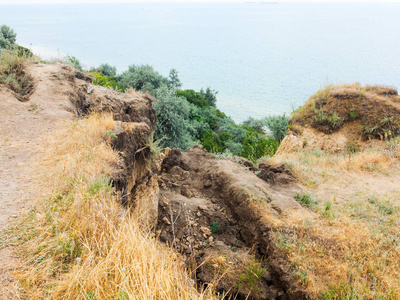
(113, 218)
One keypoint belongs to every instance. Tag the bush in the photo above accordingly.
(256, 146)
(173, 125)
(174, 82)
(255, 124)
(75, 62)
(210, 96)
(107, 70)
(278, 125)
(7, 37)
(142, 78)
(193, 97)
(103, 80)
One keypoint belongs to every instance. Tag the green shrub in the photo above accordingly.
(103, 80)
(278, 125)
(106, 70)
(306, 200)
(173, 124)
(142, 78)
(7, 37)
(215, 227)
(332, 120)
(75, 62)
(210, 96)
(193, 97)
(352, 115)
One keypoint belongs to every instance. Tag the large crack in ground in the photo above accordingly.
(212, 212)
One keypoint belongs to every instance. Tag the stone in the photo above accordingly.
(205, 230)
(166, 221)
(203, 207)
(90, 88)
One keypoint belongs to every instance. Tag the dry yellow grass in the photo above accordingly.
(82, 244)
(349, 248)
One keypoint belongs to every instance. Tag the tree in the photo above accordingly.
(210, 95)
(107, 70)
(193, 97)
(7, 37)
(143, 78)
(278, 125)
(173, 124)
(255, 124)
(174, 82)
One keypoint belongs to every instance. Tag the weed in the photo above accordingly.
(353, 115)
(215, 227)
(306, 200)
(103, 183)
(250, 278)
(353, 148)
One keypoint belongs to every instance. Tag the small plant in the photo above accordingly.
(75, 62)
(306, 200)
(353, 115)
(215, 227)
(386, 208)
(103, 183)
(111, 134)
(250, 278)
(90, 295)
(353, 148)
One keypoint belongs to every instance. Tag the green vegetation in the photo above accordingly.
(7, 38)
(250, 278)
(215, 227)
(307, 200)
(185, 117)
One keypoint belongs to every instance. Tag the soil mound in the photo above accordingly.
(219, 214)
(344, 117)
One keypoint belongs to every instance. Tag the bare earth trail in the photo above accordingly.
(23, 128)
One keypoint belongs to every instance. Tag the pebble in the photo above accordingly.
(166, 221)
(203, 207)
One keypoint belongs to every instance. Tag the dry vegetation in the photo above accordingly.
(13, 75)
(350, 247)
(80, 243)
(376, 108)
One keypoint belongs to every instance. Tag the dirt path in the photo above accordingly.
(23, 127)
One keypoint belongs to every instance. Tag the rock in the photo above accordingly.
(208, 183)
(90, 88)
(205, 230)
(166, 221)
(203, 207)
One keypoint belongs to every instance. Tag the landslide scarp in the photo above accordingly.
(220, 215)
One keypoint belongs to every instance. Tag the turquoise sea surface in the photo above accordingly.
(263, 58)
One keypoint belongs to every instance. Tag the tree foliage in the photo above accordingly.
(173, 125)
(143, 78)
(7, 37)
(278, 125)
(107, 70)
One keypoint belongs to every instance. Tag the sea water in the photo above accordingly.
(262, 58)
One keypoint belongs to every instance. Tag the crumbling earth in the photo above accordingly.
(219, 214)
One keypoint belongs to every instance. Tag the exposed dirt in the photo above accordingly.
(219, 214)
(344, 117)
(60, 94)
